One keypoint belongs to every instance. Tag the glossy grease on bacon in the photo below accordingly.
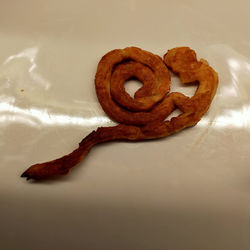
(142, 117)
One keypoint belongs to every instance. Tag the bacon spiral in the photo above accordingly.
(144, 116)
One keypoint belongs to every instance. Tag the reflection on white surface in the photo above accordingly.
(35, 117)
(234, 64)
(238, 65)
(234, 67)
(234, 118)
(229, 119)
(230, 91)
(30, 54)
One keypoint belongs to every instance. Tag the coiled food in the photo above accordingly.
(144, 116)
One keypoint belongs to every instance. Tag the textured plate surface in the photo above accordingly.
(187, 191)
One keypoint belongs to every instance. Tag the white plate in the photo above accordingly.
(188, 191)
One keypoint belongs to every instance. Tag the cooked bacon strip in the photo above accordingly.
(144, 116)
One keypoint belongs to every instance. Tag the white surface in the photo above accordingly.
(188, 191)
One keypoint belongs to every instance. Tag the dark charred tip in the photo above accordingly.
(25, 175)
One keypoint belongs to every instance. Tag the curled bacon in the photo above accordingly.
(144, 116)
